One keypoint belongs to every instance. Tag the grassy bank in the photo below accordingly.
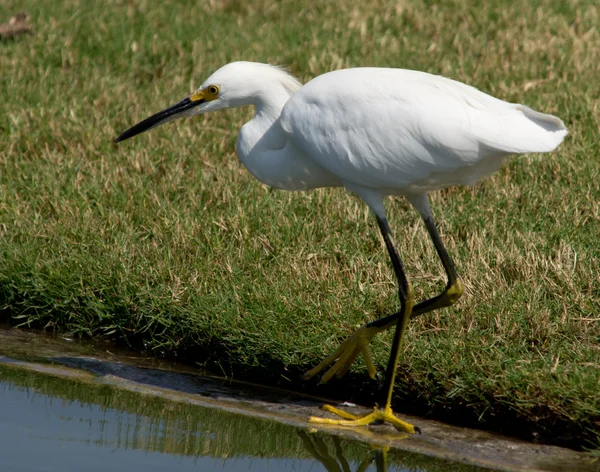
(167, 244)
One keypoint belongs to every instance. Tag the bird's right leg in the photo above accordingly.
(384, 412)
(358, 342)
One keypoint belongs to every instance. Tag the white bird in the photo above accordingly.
(376, 132)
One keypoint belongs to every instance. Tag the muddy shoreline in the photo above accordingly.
(94, 364)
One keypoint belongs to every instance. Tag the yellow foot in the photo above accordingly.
(377, 415)
(346, 354)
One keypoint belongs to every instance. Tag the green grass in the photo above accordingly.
(166, 243)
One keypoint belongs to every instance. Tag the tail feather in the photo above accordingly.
(525, 130)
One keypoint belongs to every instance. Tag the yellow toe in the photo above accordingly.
(345, 355)
(377, 414)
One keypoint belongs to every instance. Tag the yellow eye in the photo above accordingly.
(213, 89)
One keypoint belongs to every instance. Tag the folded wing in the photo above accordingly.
(393, 127)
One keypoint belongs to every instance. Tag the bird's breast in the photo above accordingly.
(284, 167)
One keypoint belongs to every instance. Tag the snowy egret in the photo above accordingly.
(376, 132)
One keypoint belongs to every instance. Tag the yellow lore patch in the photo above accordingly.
(199, 95)
(211, 92)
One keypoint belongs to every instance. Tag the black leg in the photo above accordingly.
(452, 292)
(386, 232)
(405, 294)
(358, 342)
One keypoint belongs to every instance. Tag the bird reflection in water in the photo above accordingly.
(316, 445)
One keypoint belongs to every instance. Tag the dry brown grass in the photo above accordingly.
(168, 244)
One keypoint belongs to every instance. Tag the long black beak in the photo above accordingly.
(159, 118)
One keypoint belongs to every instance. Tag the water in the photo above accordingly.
(67, 406)
(53, 424)
(40, 432)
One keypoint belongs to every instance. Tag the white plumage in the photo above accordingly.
(407, 132)
(376, 132)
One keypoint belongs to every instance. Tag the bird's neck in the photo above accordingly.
(262, 132)
(268, 107)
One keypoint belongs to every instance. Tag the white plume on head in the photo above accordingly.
(291, 83)
(247, 83)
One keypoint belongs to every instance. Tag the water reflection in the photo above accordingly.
(49, 423)
(318, 449)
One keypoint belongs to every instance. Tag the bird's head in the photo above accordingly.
(233, 85)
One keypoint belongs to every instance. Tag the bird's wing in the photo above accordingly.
(393, 127)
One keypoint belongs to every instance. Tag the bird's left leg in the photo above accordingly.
(406, 304)
(358, 342)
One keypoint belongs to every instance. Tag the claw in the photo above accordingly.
(345, 355)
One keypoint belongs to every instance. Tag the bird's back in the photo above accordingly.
(401, 129)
